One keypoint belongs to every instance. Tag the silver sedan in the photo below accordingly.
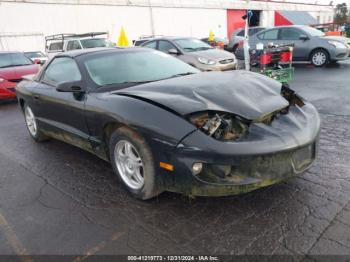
(309, 43)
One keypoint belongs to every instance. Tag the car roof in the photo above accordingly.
(251, 27)
(171, 38)
(297, 26)
(9, 52)
(81, 52)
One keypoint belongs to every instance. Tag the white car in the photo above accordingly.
(65, 42)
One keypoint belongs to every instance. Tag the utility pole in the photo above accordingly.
(151, 17)
(246, 40)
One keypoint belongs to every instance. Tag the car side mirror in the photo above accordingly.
(73, 87)
(37, 61)
(304, 37)
(173, 51)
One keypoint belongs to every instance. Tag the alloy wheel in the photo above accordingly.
(30, 121)
(129, 164)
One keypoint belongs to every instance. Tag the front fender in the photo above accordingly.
(162, 129)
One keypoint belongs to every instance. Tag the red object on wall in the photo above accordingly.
(234, 20)
(281, 20)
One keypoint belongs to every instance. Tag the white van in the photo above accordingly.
(55, 44)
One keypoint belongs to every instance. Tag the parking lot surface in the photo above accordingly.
(58, 199)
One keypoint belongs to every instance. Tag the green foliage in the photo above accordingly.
(341, 14)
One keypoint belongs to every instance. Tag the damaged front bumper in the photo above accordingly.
(268, 155)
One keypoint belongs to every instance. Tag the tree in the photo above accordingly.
(341, 13)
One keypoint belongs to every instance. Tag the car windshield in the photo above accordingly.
(95, 42)
(134, 67)
(313, 31)
(34, 54)
(14, 59)
(192, 44)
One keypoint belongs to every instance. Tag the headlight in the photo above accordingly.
(337, 44)
(206, 61)
(197, 168)
(219, 125)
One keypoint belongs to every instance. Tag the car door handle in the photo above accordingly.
(36, 97)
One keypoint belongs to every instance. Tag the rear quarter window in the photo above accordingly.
(56, 46)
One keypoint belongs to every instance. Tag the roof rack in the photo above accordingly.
(149, 36)
(62, 37)
(65, 36)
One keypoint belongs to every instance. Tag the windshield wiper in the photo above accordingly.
(136, 82)
(189, 48)
(203, 48)
(178, 75)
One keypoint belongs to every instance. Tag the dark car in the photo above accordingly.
(13, 66)
(165, 125)
(194, 52)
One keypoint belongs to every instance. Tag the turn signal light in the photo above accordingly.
(166, 166)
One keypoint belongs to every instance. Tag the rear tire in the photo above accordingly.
(133, 163)
(319, 57)
(32, 125)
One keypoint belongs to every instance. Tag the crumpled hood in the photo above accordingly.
(213, 54)
(243, 93)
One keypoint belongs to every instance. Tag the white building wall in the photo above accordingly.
(323, 17)
(57, 18)
(189, 22)
(171, 17)
(267, 18)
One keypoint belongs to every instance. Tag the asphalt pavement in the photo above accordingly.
(57, 199)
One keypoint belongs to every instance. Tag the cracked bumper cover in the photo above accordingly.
(268, 155)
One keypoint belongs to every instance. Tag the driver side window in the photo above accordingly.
(165, 46)
(62, 69)
(290, 34)
(152, 44)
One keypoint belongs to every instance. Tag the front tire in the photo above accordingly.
(319, 57)
(132, 161)
(32, 125)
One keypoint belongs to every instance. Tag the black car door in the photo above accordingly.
(61, 113)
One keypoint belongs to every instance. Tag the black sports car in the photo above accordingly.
(164, 125)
